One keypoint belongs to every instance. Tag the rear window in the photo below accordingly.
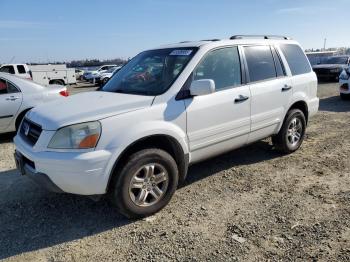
(261, 65)
(297, 60)
(7, 69)
(21, 69)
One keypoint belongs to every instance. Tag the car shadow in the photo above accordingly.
(32, 218)
(334, 104)
(7, 137)
(251, 154)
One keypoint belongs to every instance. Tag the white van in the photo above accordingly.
(44, 75)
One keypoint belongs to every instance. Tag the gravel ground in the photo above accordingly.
(252, 204)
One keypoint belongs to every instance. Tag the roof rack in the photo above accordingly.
(260, 36)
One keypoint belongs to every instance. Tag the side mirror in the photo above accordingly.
(202, 87)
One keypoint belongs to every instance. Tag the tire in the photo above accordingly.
(138, 199)
(57, 82)
(104, 81)
(345, 96)
(292, 132)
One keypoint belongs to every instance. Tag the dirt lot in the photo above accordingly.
(252, 204)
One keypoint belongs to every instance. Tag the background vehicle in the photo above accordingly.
(344, 84)
(103, 79)
(18, 95)
(78, 74)
(90, 74)
(330, 68)
(42, 74)
(168, 108)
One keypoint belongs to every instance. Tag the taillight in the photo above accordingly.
(64, 93)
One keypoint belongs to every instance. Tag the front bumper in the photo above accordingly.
(41, 179)
(82, 173)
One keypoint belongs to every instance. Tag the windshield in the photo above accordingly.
(111, 70)
(150, 72)
(340, 60)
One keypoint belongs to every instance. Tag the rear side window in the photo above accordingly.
(21, 69)
(297, 61)
(3, 87)
(280, 71)
(7, 69)
(261, 65)
(7, 87)
(221, 65)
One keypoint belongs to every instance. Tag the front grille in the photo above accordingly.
(322, 71)
(30, 131)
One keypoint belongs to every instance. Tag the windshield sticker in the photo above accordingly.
(181, 52)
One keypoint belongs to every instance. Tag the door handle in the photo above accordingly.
(241, 98)
(12, 98)
(286, 88)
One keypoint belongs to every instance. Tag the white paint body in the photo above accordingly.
(30, 95)
(204, 126)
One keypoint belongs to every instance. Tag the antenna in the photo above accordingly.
(11, 60)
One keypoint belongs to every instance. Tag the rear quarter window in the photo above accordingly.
(297, 60)
(7, 69)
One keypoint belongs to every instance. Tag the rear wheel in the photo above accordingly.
(344, 96)
(292, 132)
(145, 184)
(57, 82)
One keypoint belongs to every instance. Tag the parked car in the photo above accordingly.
(166, 109)
(90, 74)
(78, 74)
(42, 74)
(104, 78)
(18, 96)
(331, 67)
(344, 84)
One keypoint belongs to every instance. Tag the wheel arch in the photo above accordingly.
(20, 117)
(165, 142)
(301, 105)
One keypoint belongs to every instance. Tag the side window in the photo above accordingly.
(7, 69)
(260, 63)
(221, 65)
(12, 88)
(297, 61)
(21, 69)
(280, 71)
(3, 87)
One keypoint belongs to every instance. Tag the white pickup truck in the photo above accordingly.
(42, 74)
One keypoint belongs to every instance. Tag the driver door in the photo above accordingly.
(220, 121)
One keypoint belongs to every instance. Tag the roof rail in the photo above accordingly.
(211, 40)
(260, 36)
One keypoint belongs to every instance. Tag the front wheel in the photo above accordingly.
(145, 184)
(292, 132)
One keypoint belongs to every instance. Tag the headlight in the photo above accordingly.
(344, 75)
(79, 136)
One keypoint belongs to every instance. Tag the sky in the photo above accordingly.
(64, 30)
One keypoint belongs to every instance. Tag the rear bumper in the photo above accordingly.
(313, 105)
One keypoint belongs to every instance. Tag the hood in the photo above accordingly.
(329, 66)
(85, 107)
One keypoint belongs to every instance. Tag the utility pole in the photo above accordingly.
(324, 44)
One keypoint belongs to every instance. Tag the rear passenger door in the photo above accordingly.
(270, 90)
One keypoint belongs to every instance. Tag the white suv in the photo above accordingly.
(168, 108)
